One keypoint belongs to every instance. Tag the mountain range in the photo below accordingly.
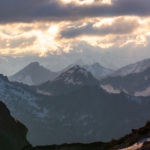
(133, 79)
(35, 74)
(82, 114)
(136, 67)
(74, 108)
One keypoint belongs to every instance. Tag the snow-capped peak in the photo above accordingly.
(98, 71)
(76, 75)
(34, 64)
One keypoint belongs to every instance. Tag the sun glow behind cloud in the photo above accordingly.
(87, 2)
(63, 31)
(59, 37)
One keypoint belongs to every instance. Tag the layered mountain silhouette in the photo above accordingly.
(33, 74)
(136, 83)
(81, 115)
(97, 70)
(73, 108)
(137, 67)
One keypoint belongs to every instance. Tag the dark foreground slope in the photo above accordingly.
(12, 132)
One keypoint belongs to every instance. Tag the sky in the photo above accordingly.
(59, 32)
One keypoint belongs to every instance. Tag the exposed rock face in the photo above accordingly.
(12, 132)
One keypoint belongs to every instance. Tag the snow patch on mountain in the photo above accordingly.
(98, 71)
(43, 92)
(71, 81)
(133, 68)
(137, 145)
(74, 76)
(18, 99)
(145, 92)
(110, 89)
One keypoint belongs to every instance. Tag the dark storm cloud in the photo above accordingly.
(33, 10)
(120, 26)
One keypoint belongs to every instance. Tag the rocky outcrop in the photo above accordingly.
(12, 132)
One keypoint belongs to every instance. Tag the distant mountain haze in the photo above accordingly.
(137, 67)
(98, 71)
(33, 74)
(133, 79)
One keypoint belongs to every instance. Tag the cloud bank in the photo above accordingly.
(58, 32)
(50, 10)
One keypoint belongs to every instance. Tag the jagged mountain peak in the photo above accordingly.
(96, 69)
(76, 75)
(34, 64)
(68, 81)
(74, 69)
(97, 64)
